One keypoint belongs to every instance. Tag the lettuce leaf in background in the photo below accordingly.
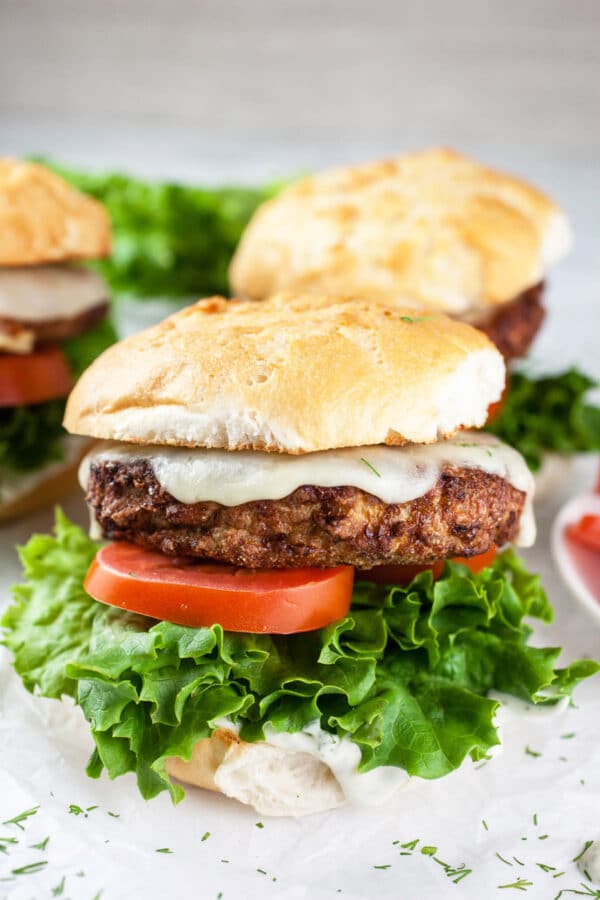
(405, 661)
(82, 350)
(170, 240)
(31, 436)
(548, 414)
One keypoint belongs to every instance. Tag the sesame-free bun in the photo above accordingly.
(275, 781)
(43, 219)
(432, 229)
(294, 374)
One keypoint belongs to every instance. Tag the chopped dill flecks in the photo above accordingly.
(411, 319)
(21, 817)
(586, 847)
(30, 868)
(531, 752)
(370, 466)
(42, 844)
(410, 845)
(59, 889)
(520, 885)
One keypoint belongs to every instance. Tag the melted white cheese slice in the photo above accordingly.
(394, 474)
(40, 293)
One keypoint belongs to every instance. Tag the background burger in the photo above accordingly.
(53, 323)
(257, 456)
(432, 229)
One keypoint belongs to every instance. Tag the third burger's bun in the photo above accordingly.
(292, 374)
(274, 781)
(43, 219)
(434, 229)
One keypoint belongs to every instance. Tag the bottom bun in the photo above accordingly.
(34, 491)
(276, 782)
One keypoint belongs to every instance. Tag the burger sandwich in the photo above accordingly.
(431, 229)
(53, 322)
(300, 603)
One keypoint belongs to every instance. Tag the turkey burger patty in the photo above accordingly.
(400, 505)
(466, 513)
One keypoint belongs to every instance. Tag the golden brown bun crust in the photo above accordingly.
(294, 374)
(59, 483)
(431, 229)
(43, 219)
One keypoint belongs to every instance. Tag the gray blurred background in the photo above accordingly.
(244, 91)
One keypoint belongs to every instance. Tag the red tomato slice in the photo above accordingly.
(272, 601)
(586, 532)
(404, 574)
(34, 377)
(495, 408)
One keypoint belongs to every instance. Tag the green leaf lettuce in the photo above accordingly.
(405, 674)
(548, 414)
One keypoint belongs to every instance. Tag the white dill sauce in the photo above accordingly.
(342, 756)
(394, 474)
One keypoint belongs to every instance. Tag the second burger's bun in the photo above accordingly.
(293, 374)
(432, 229)
(276, 782)
(43, 219)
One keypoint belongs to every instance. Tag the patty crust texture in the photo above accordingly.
(513, 327)
(465, 513)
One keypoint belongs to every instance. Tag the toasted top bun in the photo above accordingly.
(44, 219)
(431, 229)
(294, 374)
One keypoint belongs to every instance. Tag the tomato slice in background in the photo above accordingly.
(256, 601)
(586, 532)
(403, 575)
(34, 377)
(495, 408)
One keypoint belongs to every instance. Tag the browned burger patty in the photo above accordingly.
(466, 513)
(514, 325)
(56, 329)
